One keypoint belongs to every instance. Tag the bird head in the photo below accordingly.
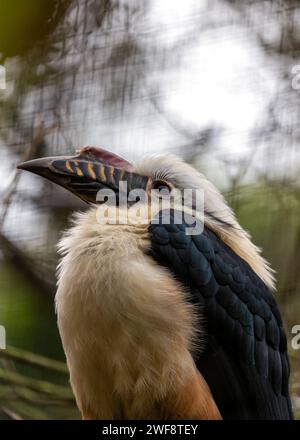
(98, 177)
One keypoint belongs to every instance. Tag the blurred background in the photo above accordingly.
(216, 82)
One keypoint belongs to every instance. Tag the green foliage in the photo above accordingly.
(23, 396)
(27, 315)
(24, 24)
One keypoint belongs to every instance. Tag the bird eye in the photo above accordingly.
(161, 186)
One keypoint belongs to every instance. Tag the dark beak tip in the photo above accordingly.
(35, 165)
(21, 166)
(25, 166)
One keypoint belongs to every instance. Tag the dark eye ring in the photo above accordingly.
(161, 186)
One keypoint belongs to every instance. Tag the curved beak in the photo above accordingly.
(84, 174)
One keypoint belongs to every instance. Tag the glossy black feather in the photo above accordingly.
(245, 358)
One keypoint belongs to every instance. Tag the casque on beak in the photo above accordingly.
(84, 174)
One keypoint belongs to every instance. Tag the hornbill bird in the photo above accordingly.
(157, 321)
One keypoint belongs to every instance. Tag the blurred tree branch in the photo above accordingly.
(25, 397)
(36, 360)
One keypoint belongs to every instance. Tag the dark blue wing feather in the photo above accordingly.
(245, 359)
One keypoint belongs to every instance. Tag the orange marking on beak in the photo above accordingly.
(78, 170)
(122, 174)
(68, 166)
(111, 174)
(91, 171)
(102, 173)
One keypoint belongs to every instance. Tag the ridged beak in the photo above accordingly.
(84, 174)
